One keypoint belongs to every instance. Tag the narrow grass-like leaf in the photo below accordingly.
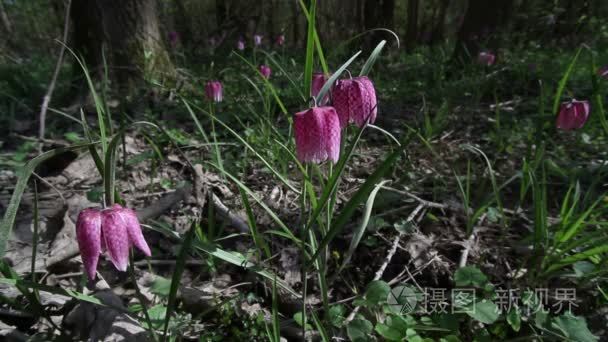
(270, 212)
(180, 264)
(349, 208)
(334, 77)
(563, 81)
(23, 176)
(284, 72)
(310, 46)
(257, 238)
(332, 183)
(360, 230)
(230, 257)
(238, 137)
(267, 82)
(367, 67)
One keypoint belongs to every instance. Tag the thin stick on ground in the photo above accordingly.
(49, 93)
(388, 257)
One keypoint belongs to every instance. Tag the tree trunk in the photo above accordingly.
(439, 28)
(480, 22)
(6, 23)
(411, 33)
(127, 32)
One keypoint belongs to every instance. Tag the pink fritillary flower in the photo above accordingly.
(318, 81)
(265, 71)
(257, 40)
(113, 230)
(572, 115)
(486, 58)
(214, 91)
(240, 45)
(317, 133)
(281, 40)
(355, 101)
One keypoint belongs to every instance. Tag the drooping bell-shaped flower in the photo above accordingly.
(240, 44)
(317, 134)
(280, 40)
(113, 230)
(214, 91)
(572, 115)
(318, 81)
(355, 101)
(486, 58)
(88, 235)
(265, 71)
(257, 40)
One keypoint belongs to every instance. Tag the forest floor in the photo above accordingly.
(459, 198)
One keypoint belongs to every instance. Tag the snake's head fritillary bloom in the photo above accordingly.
(572, 115)
(113, 230)
(355, 101)
(318, 81)
(214, 91)
(240, 44)
(317, 134)
(280, 40)
(486, 58)
(257, 40)
(265, 71)
(88, 235)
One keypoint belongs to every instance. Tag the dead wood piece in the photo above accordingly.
(230, 216)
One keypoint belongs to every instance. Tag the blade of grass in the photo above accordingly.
(180, 264)
(350, 207)
(238, 137)
(367, 67)
(563, 81)
(360, 230)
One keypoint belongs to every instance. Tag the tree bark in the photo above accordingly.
(439, 28)
(127, 32)
(411, 33)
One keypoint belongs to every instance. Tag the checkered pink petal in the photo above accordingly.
(317, 133)
(136, 237)
(342, 100)
(88, 235)
(115, 237)
(572, 115)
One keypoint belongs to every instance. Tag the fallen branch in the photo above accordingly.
(230, 216)
(152, 211)
(388, 258)
(49, 93)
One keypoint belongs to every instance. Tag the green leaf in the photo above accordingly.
(358, 330)
(574, 328)
(180, 264)
(377, 292)
(298, 317)
(367, 67)
(360, 230)
(336, 315)
(514, 319)
(393, 329)
(349, 208)
(470, 276)
(310, 46)
(484, 311)
(161, 286)
(562, 83)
